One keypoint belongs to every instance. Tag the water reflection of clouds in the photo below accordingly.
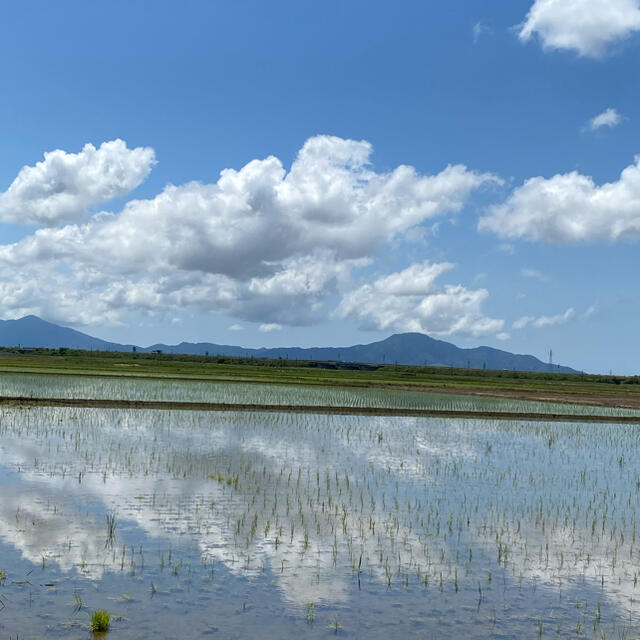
(30, 522)
(315, 499)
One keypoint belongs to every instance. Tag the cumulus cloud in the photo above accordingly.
(261, 243)
(410, 300)
(543, 321)
(584, 26)
(63, 186)
(570, 207)
(608, 118)
(251, 219)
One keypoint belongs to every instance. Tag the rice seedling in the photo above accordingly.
(334, 625)
(310, 612)
(111, 530)
(78, 603)
(100, 621)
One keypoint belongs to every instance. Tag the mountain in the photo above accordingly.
(32, 331)
(402, 348)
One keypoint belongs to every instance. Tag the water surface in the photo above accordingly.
(278, 525)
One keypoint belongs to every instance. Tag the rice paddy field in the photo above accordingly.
(148, 389)
(190, 524)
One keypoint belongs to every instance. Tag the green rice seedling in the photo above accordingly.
(310, 612)
(111, 530)
(334, 625)
(100, 621)
(78, 603)
(25, 581)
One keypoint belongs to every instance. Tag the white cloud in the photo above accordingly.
(503, 335)
(261, 244)
(416, 280)
(253, 218)
(549, 321)
(508, 248)
(590, 311)
(269, 326)
(235, 327)
(83, 296)
(570, 207)
(543, 321)
(480, 29)
(63, 186)
(584, 26)
(534, 273)
(522, 322)
(608, 118)
(410, 300)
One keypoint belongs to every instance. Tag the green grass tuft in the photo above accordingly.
(100, 620)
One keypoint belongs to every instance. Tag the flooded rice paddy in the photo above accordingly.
(141, 389)
(275, 525)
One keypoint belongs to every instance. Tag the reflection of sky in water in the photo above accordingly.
(318, 501)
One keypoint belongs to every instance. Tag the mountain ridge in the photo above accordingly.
(401, 348)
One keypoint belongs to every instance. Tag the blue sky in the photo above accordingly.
(467, 170)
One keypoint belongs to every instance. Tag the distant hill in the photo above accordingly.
(403, 348)
(32, 331)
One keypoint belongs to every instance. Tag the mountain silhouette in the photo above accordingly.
(402, 348)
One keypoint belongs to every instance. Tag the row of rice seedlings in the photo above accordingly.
(61, 386)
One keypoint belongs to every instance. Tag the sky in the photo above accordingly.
(324, 174)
